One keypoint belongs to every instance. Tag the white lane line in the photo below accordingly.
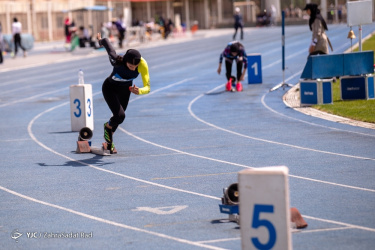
(45, 82)
(232, 163)
(51, 62)
(278, 143)
(16, 140)
(310, 123)
(340, 223)
(219, 240)
(32, 97)
(183, 152)
(323, 230)
(296, 231)
(279, 61)
(241, 165)
(113, 223)
(29, 129)
(264, 140)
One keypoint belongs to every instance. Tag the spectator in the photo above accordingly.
(168, 27)
(121, 31)
(104, 32)
(318, 26)
(83, 37)
(68, 33)
(238, 23)
(1, 44)
(273, 15)
(16, 31)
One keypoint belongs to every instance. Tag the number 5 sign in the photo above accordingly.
(81, 107)
(254, 68)
(264, 208)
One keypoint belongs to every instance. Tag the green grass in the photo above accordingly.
(361, 110)
(369, 44)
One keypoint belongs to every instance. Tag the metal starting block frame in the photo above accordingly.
(232, 211)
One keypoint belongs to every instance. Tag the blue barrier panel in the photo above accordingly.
(307, 71)
(353, 88)
(327, 66)
(371, 87)
(323, 66)
(308, 93)
(254, 68)
(358, 63)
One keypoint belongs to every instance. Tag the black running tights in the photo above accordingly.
(117, 97)
(228, 67)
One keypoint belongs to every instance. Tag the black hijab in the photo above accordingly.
(132, 56)
(315, 14)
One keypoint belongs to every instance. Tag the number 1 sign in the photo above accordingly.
(264, 208)
(254, 68)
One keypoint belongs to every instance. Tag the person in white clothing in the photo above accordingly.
(16, 31)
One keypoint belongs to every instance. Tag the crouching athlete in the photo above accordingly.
(118, 86)
(234, 51)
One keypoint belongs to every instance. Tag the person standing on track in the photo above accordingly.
(234, 51)
(1, 44)
(118, 86)
(238, 23)
(16, 31)
(318, 26)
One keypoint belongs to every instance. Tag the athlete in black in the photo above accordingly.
(118, 86)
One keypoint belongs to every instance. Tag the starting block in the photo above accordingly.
(83, 147)
(297, 219)
(232, 211)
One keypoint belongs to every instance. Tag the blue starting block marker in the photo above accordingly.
(357, 87)
(371, 87)
(254, 68)
(229, 209)
(232, 211)
(316, 92)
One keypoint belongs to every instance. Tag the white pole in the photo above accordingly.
(336, 11)
(206, 14)
(49, 18)
(109, 5)
(323, 6)
(148, 8)
(360, 38)
(29, 23)
(219, 11)
(187, 14)
(9, 22)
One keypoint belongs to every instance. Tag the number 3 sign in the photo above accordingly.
(264, 208)
(81, 107)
